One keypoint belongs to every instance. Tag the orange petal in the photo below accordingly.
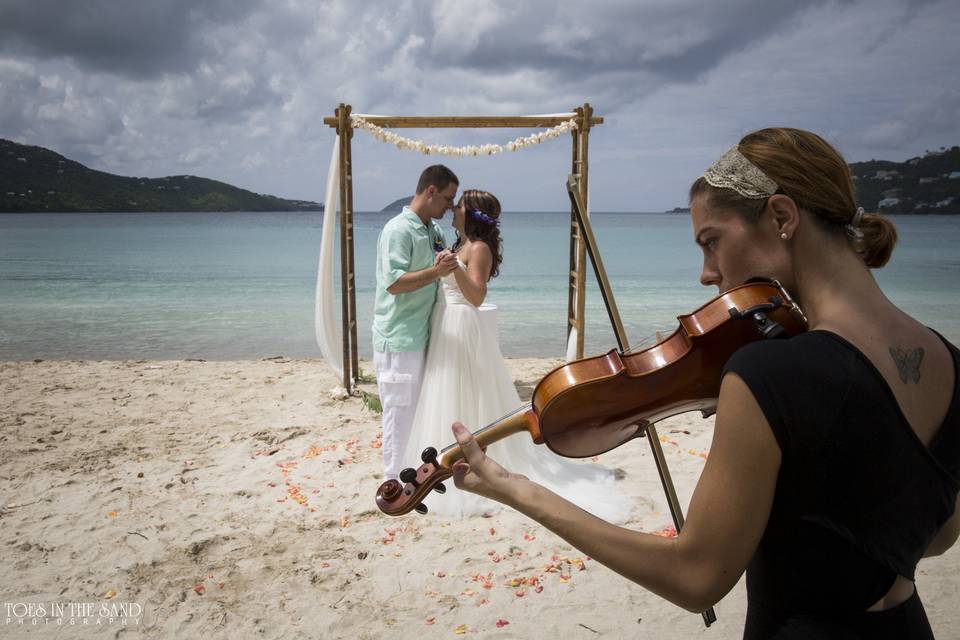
(462, 629)
(199, 589)
(431, 620)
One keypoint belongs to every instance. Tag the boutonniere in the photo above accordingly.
(438, 244)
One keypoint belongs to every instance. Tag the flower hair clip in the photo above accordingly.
(476, 214)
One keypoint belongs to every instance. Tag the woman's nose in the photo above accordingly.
(709, 277)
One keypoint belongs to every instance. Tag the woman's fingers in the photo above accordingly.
(468, 445)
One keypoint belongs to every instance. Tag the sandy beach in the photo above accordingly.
(189, 499)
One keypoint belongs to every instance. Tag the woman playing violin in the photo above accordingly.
(835, 461)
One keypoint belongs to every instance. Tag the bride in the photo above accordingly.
(466, 379)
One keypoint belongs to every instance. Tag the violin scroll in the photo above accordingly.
(397, 497)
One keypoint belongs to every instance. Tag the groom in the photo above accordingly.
(410, 260)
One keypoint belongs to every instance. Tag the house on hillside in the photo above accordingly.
(886, 203)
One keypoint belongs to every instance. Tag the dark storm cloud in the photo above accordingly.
(677, 41)
(237, 89)
(140, 39)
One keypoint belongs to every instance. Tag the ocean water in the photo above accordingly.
(241, 285)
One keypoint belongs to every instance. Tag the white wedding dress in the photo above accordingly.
(465, 378)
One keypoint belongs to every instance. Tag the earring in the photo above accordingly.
(783, 236)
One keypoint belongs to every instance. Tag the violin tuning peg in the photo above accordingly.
(429, 455)
(440, 488)
(409, 475)
(421, 509)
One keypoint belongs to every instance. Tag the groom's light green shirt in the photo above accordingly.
(401, 322)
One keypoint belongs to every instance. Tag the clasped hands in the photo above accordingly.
(446, 262)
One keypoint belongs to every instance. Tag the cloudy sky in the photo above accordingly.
(236, 90)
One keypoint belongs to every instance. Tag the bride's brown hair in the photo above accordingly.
(482, 222)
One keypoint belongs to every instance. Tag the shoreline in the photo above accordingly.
(225, 496)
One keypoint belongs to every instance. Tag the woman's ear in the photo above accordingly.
(784, 215)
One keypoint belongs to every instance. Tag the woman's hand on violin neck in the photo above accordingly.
(477, 473)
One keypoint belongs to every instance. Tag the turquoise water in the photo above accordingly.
(241, 285)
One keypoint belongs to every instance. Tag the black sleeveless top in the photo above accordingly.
(859, 497)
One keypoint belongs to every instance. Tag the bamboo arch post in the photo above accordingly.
(341, 122)
(351, 368)
(577, 292)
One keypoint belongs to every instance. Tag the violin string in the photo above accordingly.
(519, 409)
(644, 343)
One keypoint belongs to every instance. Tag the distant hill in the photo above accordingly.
(34, 179)
(927, 184)
(398, 204)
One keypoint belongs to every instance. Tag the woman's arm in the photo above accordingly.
(473, 282)
(727, 516)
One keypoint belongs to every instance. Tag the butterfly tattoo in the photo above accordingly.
(908, 363)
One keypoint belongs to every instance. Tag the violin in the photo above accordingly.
(590, 406)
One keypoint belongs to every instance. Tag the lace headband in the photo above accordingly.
(734, 171)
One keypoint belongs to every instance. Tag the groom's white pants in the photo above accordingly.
(399, 376)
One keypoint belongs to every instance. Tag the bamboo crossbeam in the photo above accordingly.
(466, 122)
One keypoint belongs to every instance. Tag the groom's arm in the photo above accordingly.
(413, 280)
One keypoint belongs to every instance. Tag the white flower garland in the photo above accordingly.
(471, 150)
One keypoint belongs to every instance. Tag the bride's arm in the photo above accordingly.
(473, 281)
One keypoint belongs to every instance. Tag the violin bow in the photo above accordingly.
(576, 202)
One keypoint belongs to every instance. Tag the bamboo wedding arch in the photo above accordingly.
(580, 121)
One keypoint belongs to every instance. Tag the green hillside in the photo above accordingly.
(927, 184)
(34, 179)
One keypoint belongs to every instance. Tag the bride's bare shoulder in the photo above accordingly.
(473, 249)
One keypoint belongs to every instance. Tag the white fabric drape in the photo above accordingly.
(326, 319)
(572, 345)
(571, 354)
